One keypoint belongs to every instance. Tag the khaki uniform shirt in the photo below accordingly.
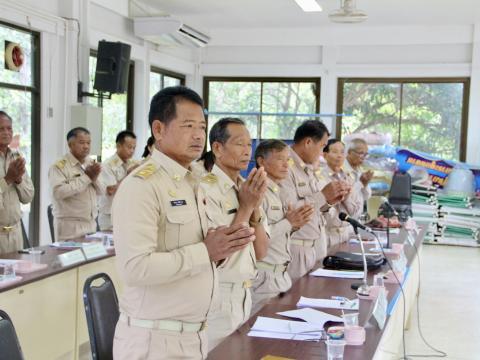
(352, 205)
(11, 196)
(302, 187)
(356, 173)
(74, 198)
(160, 253)
(113, 171)
(280, 227)
(218, 200)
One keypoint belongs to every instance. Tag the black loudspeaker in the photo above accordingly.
(401, 195)
(113, 63)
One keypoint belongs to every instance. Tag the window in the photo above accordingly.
(19, 97)
(160, 79)
(117, 111)
(428, 115)
(271, 96)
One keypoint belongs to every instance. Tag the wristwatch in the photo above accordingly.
(256, 222)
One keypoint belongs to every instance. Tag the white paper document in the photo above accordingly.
(328, 303)
(311, 316)
(285, 329)
(344, 274)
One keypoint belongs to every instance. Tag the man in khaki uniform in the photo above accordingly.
(75, 185)
(15, 188)
(273, 278)
(301, 187)
(164, 260)
(352, 203)
(356, 153)
(114, 170)
(226, 199)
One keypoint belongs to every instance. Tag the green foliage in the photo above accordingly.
(420, 116)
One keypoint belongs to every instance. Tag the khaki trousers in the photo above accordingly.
(303, 260)
(230, 311)
(268, 284)
(136, 343)
(12, 240)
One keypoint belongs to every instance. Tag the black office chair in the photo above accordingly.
(101, 309)
(26, 242)
(9, 346)
(50, 222)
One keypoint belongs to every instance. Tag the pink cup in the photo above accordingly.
(354, 335)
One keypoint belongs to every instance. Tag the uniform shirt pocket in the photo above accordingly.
(177, 229)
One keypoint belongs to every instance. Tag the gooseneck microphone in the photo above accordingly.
(389, 206)
(344, 217)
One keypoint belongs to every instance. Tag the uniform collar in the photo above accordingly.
(74, 161)
(174, 170)
(298, 160)
(273, 186)
(224, 180)
(10, 153)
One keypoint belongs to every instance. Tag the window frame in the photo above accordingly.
(164, 72)
(411, 80)
(35, 90)
(208, 79)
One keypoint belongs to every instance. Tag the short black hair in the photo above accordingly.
(163, 106)
(75, 131)
(266, 147)
(3, 113)
(124, 134)
(219, 131)
(314, 129)
(330, 143)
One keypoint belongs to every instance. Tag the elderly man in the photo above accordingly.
(15, 188)
(356, 153)
(114, 170)
(75, 186)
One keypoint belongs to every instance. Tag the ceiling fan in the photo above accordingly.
(348, 13)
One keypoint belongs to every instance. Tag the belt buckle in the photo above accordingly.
(247, 284)
(7, 228)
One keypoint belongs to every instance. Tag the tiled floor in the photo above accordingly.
(449, 303)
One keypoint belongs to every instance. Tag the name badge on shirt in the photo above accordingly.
(301, 184)
(275, 207)
(231, 211)
(178, 202)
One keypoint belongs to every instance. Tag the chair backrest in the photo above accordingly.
(9, 346)
(50, 221)
(101, 309)
(26, 242)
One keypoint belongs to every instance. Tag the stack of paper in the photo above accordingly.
(343, 274)
(286, 329)
(328, 303)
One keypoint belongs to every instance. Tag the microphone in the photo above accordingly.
(344, 217)
(389, 206)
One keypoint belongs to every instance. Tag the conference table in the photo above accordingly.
(47, 310)
(382, 344)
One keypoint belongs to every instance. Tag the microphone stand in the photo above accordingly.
(363, 288)
(388, 231)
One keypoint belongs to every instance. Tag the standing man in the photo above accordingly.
(273, 278)
(301, 187)
(114, 169)
(15, 188)
(75, 186)
(356, 153)
(228, 199)
(163, 257)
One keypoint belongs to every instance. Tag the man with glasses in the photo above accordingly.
(356, 154)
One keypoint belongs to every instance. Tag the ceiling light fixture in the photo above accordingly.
(309, 5)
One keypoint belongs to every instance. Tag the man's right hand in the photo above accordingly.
(15, 171)
(226, 240)
(335, 191)
(93, 171)
(299, 216)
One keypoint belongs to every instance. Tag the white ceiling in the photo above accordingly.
(214, 15)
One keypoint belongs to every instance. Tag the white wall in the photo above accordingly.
(450, 51)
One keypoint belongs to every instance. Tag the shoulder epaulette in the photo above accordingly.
(146, 171)
(61, 164)
(210, 178)
(291, 162)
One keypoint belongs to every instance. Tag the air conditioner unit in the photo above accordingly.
(168, 30)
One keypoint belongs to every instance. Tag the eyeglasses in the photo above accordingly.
(360, 153)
